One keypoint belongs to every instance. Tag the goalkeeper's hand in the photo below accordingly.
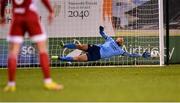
(146, 54)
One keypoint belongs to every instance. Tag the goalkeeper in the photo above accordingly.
(95, 52)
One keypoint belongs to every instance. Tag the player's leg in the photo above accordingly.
(12, 63)
(44, 62)
(39, 37)
(15, 39)
(43, 57)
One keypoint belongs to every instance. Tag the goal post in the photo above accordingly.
(139, 22)
(161, 32)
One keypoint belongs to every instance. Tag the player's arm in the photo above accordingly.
(2, 10)
(144, 55)
(49, 7)
(102, 33)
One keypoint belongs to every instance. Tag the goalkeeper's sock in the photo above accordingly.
(70, 59)
(70, 46)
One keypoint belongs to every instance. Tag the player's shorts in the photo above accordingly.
(93, 53)
(26, 23)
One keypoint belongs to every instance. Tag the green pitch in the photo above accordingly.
(118, 84)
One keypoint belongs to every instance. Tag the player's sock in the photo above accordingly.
(47, 80)
(66, 59)
(44, 62)
(12, 60)
(70, 46)
(11, 83)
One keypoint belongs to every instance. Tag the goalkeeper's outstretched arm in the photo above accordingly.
(144, 55)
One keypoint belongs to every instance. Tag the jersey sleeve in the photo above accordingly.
(104, 35)
(48, 6)
(132, 55)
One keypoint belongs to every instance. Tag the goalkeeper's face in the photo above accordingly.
(120, 40)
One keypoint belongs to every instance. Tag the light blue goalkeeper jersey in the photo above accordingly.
(110, 47)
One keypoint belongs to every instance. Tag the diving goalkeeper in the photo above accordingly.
(108, 49)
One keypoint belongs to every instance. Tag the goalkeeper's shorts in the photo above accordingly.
(93, 53)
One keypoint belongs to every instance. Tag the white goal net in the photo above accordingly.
(77, 21)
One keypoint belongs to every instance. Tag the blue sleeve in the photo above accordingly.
(132, 55)
(104, 35)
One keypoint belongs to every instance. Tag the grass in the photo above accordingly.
(117, 84)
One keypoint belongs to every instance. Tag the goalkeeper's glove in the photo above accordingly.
(101, 28)
(146, 54)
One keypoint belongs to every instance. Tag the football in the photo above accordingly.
(154, 53)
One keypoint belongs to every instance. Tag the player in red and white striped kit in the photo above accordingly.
(25, 19)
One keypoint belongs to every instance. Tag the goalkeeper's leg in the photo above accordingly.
(80, 58)
(65, 58)
(83, 47)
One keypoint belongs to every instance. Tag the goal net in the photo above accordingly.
(77, 21)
